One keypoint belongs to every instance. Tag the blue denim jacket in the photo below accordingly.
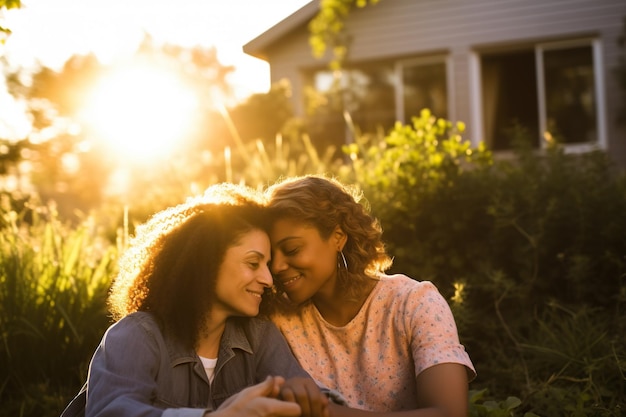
(138, 370)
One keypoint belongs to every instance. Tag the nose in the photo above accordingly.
(265, 278)
(278, 263)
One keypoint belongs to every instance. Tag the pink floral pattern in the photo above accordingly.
(404, 327)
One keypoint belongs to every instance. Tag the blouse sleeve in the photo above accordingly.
(433, 333)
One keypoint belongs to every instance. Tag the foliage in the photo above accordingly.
(327, 28)
(53, 283)
(405, 173)
(70, 163)
(529, 250)
(482, 407)
(263, 115)
(260, 163)
(577, 360)
(8, 4)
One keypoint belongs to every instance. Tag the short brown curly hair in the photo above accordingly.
(170, 268)
(324, 202)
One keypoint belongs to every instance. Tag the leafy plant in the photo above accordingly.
(482, 407)
(411, 179)
(507, 241)
(53, 284)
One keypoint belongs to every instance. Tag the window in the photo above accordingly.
(375, 95)
(569, 93)
(423, 86)
(550, 87)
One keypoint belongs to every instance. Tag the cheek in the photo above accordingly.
(324, 261)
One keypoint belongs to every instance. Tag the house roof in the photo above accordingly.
(258, 46)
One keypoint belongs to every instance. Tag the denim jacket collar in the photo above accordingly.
(234, 337)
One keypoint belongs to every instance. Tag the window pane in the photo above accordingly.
(509, 93)
(424, 86)
(570, 94)
(370, 96)
(366, 92)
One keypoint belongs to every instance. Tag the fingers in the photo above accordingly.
(271, 407)
(307, 394)
(268, 388)
(276, 384)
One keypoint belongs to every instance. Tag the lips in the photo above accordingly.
(290, 281)
(256, 294)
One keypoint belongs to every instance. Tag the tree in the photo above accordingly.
(327, 29)
(8, 4)
(68, 161)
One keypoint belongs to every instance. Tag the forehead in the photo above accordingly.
(289, 228)
(254, 239)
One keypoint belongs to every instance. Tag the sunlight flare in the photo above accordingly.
(141, 112)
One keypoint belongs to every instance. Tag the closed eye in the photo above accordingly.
(291, 252)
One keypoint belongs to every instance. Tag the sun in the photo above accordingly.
(141, 112)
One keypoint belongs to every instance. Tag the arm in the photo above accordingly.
(444, 387)
(423, 322)
(444, 366)
(443, 393)
(122, 373)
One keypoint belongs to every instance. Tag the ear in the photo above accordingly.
(339, 238)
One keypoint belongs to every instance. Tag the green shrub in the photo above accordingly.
(480, 406)
(529, 251)
(411, 179)
(506, 241)
(53, 284)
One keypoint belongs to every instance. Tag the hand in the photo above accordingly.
(306, 393)
(260, 400)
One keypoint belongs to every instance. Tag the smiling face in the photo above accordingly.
(303, 263)
(242, 277)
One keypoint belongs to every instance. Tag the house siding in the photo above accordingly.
(408, 28)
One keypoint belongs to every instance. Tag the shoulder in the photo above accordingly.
(402, 295)
(134, 325)
(404, 286)
(137, 320)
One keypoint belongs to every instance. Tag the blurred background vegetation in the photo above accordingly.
(529, 250)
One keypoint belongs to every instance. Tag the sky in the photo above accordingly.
(52, 31)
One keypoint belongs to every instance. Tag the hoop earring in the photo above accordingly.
(343, 258)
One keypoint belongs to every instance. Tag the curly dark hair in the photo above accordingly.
(171, 265)
(324, 202)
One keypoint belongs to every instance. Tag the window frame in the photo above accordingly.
(476, 98)
(596, 53)
(399, 67)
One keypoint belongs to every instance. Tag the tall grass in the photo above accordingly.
(53, 283)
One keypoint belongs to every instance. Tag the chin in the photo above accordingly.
(295, 300)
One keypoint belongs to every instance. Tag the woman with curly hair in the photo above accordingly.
(388, 343)
(185, 341)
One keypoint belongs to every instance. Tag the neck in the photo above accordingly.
(209, 341)
(338, 311)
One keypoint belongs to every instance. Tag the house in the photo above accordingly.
(546, 65)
